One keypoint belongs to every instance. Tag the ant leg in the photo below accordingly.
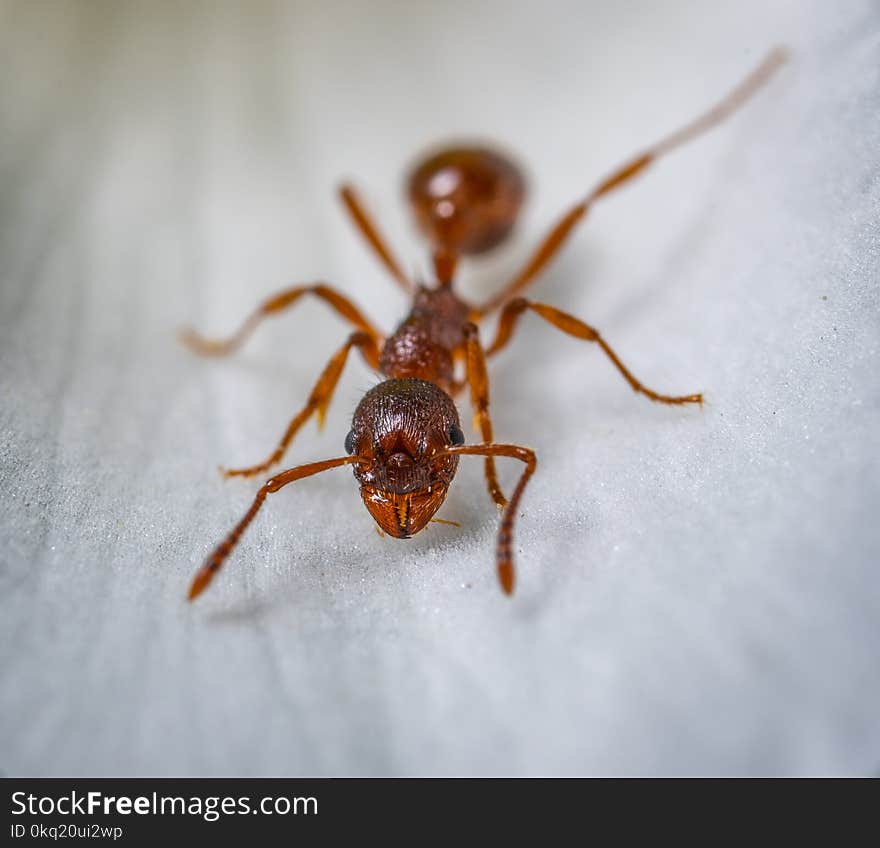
(217, 557)
(318, 401)
(555, 239)
(478, 380)
(571, 325)
(504, 550)
(288, 297)
(367, 227)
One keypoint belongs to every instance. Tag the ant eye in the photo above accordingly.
(349, 442)
(456, 437)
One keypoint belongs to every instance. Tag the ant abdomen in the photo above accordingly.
(466, 199)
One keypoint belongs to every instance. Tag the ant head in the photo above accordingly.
(401, 428)
(466, 199)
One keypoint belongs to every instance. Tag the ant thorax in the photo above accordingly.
(422, 345)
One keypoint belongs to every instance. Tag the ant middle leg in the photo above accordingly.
(278, 302)
(574, 327)
(318, 401)
(558, 236)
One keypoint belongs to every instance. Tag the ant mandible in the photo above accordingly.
(406, 437)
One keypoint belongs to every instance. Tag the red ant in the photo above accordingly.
(406, 437)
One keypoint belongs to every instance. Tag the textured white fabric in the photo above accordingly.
(698, 590)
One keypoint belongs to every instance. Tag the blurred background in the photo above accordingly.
(698, 590)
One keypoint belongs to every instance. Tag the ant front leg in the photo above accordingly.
(574, 327)
(478, 380)
(318, 401)
(278, 302)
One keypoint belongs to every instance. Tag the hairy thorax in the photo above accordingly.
(423, 345)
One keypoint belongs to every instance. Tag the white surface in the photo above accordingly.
(698, 591)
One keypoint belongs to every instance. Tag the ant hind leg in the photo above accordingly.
(368, 229)
(558, 236)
